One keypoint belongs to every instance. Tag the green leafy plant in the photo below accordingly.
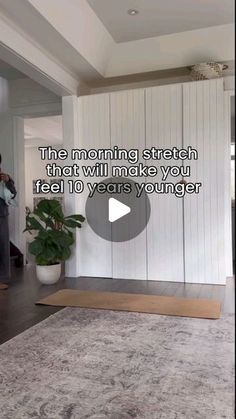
(55, 236)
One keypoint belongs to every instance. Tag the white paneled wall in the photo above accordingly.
(94, 132)
(185, 238)
(229, 245)
(128, 131)
(165, 228)
(204, 213)
(4, 95)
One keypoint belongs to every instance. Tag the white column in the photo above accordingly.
(70, 140)
(18, 213)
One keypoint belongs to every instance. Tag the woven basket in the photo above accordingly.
(207, 71)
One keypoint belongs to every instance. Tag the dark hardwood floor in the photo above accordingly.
(18, 311)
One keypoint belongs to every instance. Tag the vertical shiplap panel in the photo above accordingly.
(94, 132)
(213, 181)
(198, 174)
(221, 181)
(128, 131)
(228, 210)
(165, 228)
(204, 213)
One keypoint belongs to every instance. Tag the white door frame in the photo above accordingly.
(30, 60)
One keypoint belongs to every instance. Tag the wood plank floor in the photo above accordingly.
(18, 311)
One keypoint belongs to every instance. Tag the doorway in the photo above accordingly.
(39, 132)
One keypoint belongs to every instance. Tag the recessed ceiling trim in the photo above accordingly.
(160, 17)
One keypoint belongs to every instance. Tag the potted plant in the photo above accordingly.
(52, 238)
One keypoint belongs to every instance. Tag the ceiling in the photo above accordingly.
(160, 17)
(43, 131)
(70, 45)
(9, 73)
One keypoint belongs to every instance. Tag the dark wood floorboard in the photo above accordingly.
(18, 311)
(156, 287)
(206, 291)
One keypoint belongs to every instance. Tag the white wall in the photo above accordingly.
(4, 95)
(6, 142)
(29, 99)
(23, 92)
(200, 96)
(6, 127)
(229, 83)
(34, 169)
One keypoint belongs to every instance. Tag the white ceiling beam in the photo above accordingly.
(32, 60)
(78, 24)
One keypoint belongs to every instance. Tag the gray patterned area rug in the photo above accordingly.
(94, 364)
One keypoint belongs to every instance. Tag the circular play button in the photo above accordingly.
(115, 213)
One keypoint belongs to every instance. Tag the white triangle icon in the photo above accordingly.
(117, 210)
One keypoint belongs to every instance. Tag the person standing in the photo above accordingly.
(7, 190)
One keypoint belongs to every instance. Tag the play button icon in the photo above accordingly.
(115, 213)
(117, 210)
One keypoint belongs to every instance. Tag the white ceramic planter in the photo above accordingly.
(48, 274)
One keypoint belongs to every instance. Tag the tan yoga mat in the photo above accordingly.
(152, 304)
